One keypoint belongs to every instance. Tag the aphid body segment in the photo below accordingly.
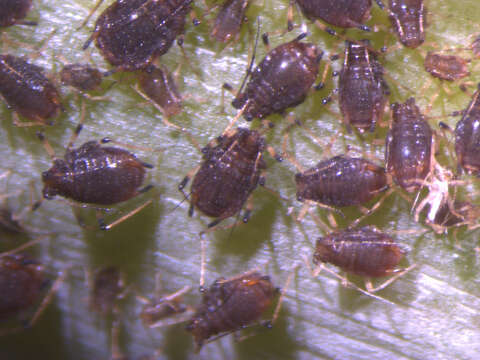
(229, 173)
(446, 67)
(362, 89)
(95, 174)
(408, 18)
(81, 76)
(229, 20)
(365, 252)
(409, 146)
(467, 138)
(24, 88)
(107, 286)
(230, 304)
(341, 181)
(342, 13)
(12, 11)
(21, 282)
(281, 80)
(131, 34)
(159, 86)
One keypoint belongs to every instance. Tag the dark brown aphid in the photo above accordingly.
(409, 146)
(159, 85)
(446, 67)
(467, 138)
(21, 282)
(229, 20)
(81, 76)
(341, 181)
(228, 175)
(14, 11)
(27, 91)
(408, 18)
(231, 304)
(362, 89)
(342, 13)
(107, 287)
(365, 252)
(281, 80)
(131, 34)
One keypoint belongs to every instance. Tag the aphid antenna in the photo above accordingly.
(103, 226)
(23, 246)
(84, 22)
(283, 291)
(46, 145)
(400, 272)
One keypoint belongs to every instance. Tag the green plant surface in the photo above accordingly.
(430, 313)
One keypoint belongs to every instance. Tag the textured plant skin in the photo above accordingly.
(435, 311)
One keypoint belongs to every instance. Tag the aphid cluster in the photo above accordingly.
(133, 37)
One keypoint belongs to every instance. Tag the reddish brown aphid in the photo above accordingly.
(14, 11)
(159, 86)
(21, 282)
(409, 146)
(229, 20)
(362, 89)
(107, 287)
(365, 252)
(231, 304)
(24, 88)
(281, 80)
(228, 175)
(408, 18)
(467, 138)
(446, 67)
(342, 13)
(341, 181)
(131, 34)
(81, 76)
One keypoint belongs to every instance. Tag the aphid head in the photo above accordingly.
(322, 251)
(54, 179)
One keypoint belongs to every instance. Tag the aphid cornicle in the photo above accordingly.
(341, 181)
(362, 89)
(408, 18)
(21, 282)
(467, 137)
(27, 91)
(446, 67)
(231, 304)
(229, 20)
(14, 11)
(409, 146)
(281, 80)
(342, 13)
(365, 252)
(131, 34)
(228, 175)
(81, 76)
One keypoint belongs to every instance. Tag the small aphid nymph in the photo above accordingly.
(446, 67)
(408, 18)
(81, 76)
(229, 20)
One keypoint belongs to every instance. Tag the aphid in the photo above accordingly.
(229, 173)
(341, 181)
(281, 80)
(475, 46)
(107, 287)
(341, 13)
(81, 76)
(229, 20)
(408, 18)
(231, 304)
(95, 174)
(14, 11)
(362, 89)
(27, 91)
(365, 252)
(159, 86)
(467, 138)
(409, 146)
(446, 67)
(131, 34)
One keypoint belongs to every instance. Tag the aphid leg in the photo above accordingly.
(46, 145)
(103, 226)
(186, 179)
(368, 212)
(400, 272)
(22, 247)
(78, 129)
(95, 8)
(203, 262)
(283, 291)
(17, 122)
(235, 119)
